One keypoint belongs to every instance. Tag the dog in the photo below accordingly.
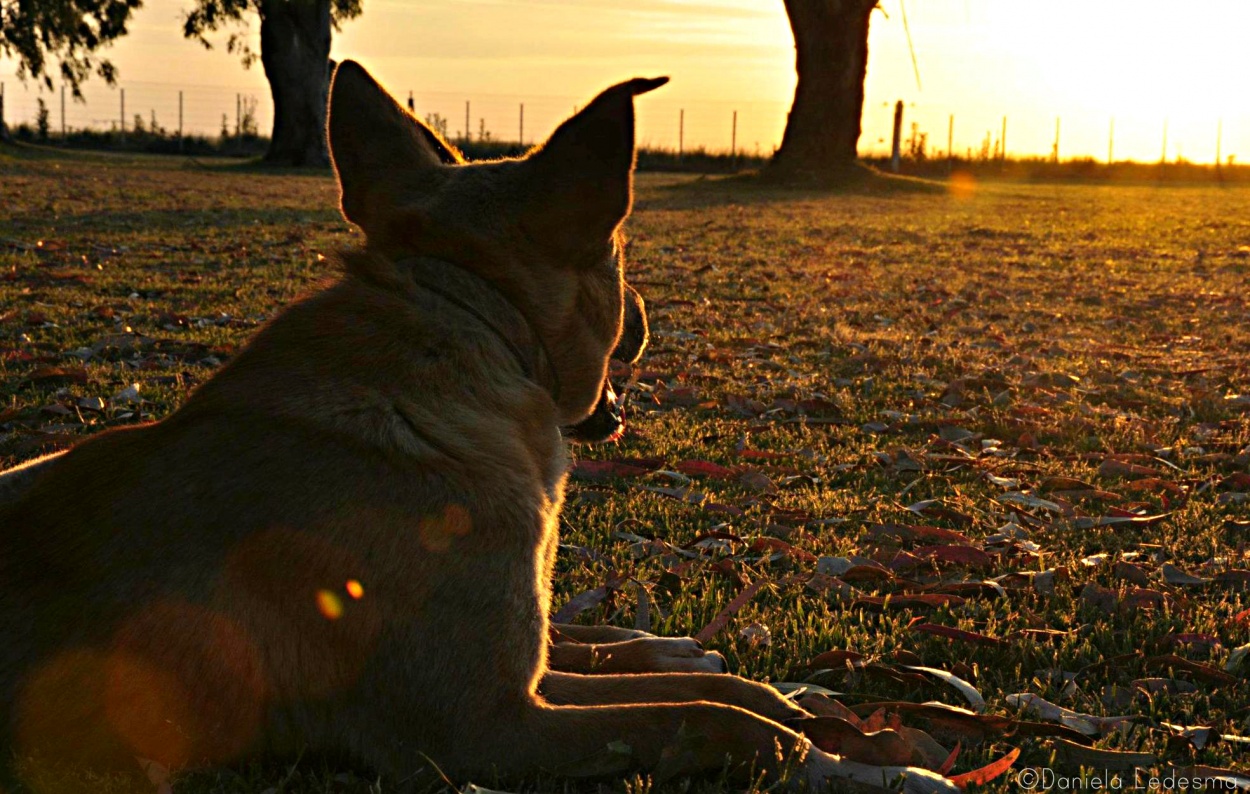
(343, 542)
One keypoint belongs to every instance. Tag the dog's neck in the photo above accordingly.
(478, 298)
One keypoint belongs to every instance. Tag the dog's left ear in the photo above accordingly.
(378, 148)
(583, 174)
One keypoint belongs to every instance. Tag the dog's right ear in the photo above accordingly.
(377, 147)
(582, 177)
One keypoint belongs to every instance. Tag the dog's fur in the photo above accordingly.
(343, 542)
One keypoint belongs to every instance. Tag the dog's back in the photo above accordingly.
(201, 566)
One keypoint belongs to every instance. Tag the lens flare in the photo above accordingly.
(329, 605)
(438, 532)
(962, 185)
(355, 589)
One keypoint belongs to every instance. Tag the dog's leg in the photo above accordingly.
(646, 654)
(667, 739)
(570, 689)
(596, 634)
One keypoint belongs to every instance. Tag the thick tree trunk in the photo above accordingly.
(295, 51)
(831, 58)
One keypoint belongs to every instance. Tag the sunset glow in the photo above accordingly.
(1142, 64)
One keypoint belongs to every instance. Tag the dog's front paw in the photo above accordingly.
(633, 634)
(674, 655)
(827, 772)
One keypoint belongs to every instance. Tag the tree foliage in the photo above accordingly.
(209, 16)
(67, 31)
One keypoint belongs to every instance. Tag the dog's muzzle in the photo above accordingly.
(607, 421)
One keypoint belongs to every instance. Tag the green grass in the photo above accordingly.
(1071, 324)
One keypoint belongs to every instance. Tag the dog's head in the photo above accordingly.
(543, 229)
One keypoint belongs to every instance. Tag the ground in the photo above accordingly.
(1001, 432)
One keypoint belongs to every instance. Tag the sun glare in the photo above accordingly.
(1143, 63)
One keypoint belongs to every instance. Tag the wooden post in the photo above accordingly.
(681, 134)
(1002, 143)
(412, 105)
(950, 144)
(1111, 143)
(1219, 140)
(896, 151)
(521, 131)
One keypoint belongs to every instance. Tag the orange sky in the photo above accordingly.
(1086, 61)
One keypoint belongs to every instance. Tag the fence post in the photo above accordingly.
(1219, 140)
(896, 153)
(180, 144)
(950, 144)
(1002, 142)
(412, 105)
(681, 134)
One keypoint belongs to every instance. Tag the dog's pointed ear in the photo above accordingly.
(374, 144)
(584, 172)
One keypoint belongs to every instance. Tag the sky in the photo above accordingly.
(1141, 65)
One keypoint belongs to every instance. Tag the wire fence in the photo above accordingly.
(746, 127)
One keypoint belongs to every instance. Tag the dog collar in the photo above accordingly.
(476, 296)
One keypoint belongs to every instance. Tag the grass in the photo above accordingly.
(1051, 355)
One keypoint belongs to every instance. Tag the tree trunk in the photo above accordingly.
(295, 51)
(831, 58)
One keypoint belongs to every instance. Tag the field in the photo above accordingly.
(1001, 432)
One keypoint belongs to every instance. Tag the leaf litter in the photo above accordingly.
(909, 448)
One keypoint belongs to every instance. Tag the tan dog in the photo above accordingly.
(343, 542)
